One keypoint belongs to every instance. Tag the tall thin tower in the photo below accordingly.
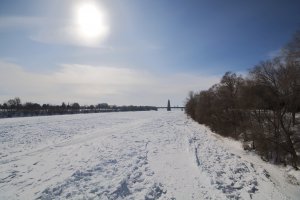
(169, 106)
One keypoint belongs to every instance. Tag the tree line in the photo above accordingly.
(260, 108)
(15, 108)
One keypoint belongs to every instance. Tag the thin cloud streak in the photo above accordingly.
(19, 22)
(49, 30)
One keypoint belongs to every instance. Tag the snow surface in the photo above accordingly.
(132, 155)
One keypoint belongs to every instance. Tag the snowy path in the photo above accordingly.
(134, 155)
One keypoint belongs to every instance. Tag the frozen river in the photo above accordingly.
(130, 155)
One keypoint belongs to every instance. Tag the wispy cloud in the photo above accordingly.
(94, 84)
(19, 22)
(49, 30)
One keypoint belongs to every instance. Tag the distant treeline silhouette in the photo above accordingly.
(259, 109)
(14, 108)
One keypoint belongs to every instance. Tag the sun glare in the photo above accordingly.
(91, 22)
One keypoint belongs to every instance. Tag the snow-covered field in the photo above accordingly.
(132, 155)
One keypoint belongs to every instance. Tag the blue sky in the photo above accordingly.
(151, 51)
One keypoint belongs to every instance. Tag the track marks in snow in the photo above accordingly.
(126, 176)
(173, 163)
(229, 173)
(111, 179)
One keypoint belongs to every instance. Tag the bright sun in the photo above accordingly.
(91, 21)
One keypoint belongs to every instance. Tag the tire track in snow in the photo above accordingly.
(174, 164)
